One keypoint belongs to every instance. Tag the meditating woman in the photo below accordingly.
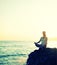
(43, 41)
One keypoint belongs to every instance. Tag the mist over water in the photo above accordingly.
(52, 44)
(16, 53)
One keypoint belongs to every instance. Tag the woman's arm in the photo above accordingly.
(39, 41)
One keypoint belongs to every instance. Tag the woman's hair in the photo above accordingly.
(44, 33)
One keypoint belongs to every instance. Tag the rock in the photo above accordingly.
(46, 56)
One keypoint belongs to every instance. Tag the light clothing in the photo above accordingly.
(43, 41)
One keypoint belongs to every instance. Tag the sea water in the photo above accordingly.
(16, 52)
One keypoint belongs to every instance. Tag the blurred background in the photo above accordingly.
(22, 23)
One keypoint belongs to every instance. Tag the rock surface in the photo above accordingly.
(47, 56)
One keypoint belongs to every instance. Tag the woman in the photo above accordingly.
(43, 41)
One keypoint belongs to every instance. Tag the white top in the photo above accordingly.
(43, 40)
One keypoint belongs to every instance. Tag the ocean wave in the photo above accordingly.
(24, 55)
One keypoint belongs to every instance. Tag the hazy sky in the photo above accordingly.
(26, 19)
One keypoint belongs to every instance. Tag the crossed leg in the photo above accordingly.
(40, 46)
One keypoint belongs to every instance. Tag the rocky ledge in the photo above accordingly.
(46, 56)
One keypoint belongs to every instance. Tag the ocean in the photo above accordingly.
(16, 52)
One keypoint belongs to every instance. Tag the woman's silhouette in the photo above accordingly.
(43, 41)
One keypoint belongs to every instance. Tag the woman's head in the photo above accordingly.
(44, 34)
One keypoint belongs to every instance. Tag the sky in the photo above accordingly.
(26, 19)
